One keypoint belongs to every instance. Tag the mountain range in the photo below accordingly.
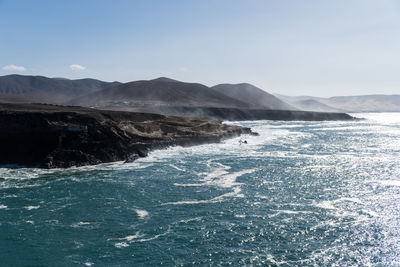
(144, 94)
(25, 89)
(168, 96)
(158, 92)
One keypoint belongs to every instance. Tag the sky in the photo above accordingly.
(309, 47)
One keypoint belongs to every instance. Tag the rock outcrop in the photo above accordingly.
(50, 136)
(237, 114)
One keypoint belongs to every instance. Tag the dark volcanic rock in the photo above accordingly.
(55, 136)
(64, 158)
(237, 114)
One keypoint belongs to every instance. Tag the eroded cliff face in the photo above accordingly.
(236, 114)
(55, 136)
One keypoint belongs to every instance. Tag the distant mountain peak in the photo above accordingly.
(61, 78)
(254, 96)
(164, 79)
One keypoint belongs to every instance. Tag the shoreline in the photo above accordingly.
(49, 136)
(52, 136)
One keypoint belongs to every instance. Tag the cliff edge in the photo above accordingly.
(50, 136)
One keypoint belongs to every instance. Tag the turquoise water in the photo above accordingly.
(300, 194)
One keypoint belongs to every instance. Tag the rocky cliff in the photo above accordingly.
(51, 136)
(237, 114)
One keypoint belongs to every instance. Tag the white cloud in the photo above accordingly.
(14, 68)
(77, 67)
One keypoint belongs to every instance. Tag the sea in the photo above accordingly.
(299, 194)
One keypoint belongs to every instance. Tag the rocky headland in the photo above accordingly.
(50, 136)
(237, 114)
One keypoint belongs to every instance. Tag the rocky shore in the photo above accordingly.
(237, 114)
(50, 136)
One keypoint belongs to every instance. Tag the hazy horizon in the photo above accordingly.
(292, 48)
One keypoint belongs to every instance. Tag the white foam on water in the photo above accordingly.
(295, 211)
(188, 185)
(195, 219)
(32, 207)
(31, 222)
(279, 212)
(121, 245)
(177, 168)
(79, 224)
(271, 259)
(138, 237)
(154, 237)
(326, 204)
(117, 165)
(390, 182)
(229, 180)
(3, 206)
(22, 174)
(220, 177)
(88, 263)
(217, 173)
(9, 196)
(328, 189)
(235, 193)
(132, 237)
(190, 202)
(127, 239)
(142, 213)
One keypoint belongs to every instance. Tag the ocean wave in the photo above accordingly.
(220, 177)
(80, 224)
(235, 193)
(138, 237)
(32, 207)
(142, 213)
(279, 212)
(176, 167)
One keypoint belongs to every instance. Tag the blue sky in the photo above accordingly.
(309, 47)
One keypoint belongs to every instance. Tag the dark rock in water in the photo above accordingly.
(132, 158)
(142, 152)
(59, 137)
(64, 158)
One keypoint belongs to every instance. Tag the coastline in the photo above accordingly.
(50, 136)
